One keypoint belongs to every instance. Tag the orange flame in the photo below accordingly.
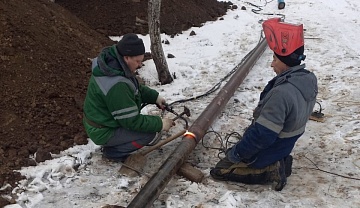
(189, 134)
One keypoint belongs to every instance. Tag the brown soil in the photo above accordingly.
(44, 55)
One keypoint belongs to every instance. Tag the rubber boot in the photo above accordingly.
(288, 165)
(281, 176)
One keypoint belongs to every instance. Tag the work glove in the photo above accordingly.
(160, 102)
(232, 155)
(167, 124)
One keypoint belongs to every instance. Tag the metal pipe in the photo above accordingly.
(152, 189)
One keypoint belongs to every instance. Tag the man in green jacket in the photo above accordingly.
(112, 106)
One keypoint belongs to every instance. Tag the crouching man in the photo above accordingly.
(286, 103)
(112, 107)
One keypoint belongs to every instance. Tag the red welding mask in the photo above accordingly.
(283, 38)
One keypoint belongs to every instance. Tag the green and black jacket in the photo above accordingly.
(114, 98)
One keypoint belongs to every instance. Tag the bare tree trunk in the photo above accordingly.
(156, 47)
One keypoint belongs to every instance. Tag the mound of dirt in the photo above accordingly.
(45, 67)
(115, 18)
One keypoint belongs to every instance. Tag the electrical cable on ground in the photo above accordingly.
(218, 85)
(336, 174)
(259, 8)
(214, 88)
(224, 142)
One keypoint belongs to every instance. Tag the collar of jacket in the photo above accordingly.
(283, 77)
(124, 66)
(111, 63)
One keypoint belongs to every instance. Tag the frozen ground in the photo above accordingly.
(326, 170)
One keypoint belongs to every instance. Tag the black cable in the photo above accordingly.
(217, 85)
(259, 8)
(224, 143)
(336, 174)
(227, 137)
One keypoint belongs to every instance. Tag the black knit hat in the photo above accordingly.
(294, 58)
(130, 45)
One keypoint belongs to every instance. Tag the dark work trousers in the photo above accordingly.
(126, 141)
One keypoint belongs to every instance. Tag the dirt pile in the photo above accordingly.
(115, 18)
(45, 67)
(44, 53)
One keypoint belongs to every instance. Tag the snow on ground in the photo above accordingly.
(78, 177)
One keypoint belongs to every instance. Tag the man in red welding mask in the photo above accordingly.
(286, 103)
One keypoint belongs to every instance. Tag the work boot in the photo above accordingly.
(115, 159)
(219, 172)
(110, 155)
(280, 176)
(224, 163)
(235, 175)
(240, 172)
(288, 165)
(282, 172)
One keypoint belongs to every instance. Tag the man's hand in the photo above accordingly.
(167, 124)
(160, 102)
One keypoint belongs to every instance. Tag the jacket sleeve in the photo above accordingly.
(148, 95)
(266, 128)
(121, 103)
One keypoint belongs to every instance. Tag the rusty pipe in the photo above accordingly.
(152, 189)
